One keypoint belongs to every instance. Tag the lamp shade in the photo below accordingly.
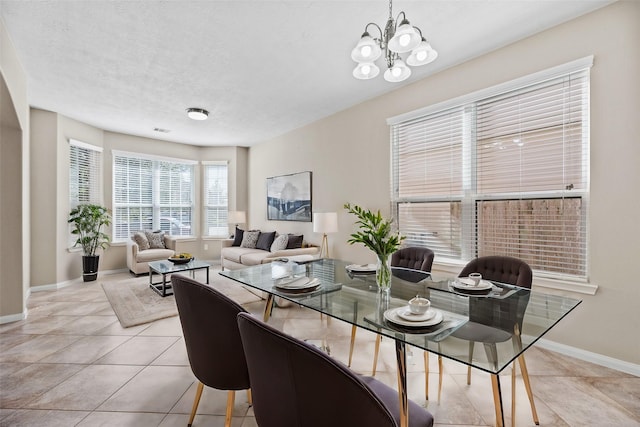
(367, 50)
(365, 71)
(325, 222)
(405, 39)
(422, 54)
(237, 217)
(398, 72)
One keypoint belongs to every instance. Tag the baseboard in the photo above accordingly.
(587, 356)
(13, 318)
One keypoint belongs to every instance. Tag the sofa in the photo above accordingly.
(238, 253)
(140, 254)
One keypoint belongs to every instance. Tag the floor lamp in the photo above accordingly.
(325, 223)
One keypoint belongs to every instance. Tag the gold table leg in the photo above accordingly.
(497, 399)
(353, 341)
(401, 360)
(267, 308)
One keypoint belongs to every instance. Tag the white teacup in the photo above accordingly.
(476, 277)
(419, 305)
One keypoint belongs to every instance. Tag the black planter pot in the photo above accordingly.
(90, 267)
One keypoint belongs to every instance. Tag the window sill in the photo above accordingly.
(451, 269)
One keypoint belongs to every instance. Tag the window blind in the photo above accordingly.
(502, 175)
(216, 200)
(151, 194)
(85, 173)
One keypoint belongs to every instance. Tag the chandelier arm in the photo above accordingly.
(366, 29)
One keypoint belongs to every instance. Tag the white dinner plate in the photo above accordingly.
(406, 314)
(392, 316)
(467, 284)
(361, 268)
(297, 284)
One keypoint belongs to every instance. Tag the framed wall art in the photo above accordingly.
(289, 197)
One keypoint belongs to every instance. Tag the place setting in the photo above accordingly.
(297, 284)
(473, 284)
(417, 314)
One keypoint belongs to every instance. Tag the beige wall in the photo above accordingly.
(14, 183)
(348, 154)
(50, 192)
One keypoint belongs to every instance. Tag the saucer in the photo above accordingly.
(406, 314)
(467, 284)
(393, 317)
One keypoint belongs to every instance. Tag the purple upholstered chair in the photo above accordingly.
(498, 321)
(295, 384)
(212, 338)
(414, 258)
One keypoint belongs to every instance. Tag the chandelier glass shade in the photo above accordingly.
(394, 40)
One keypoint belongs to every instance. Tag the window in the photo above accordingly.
(216, 199)
(85, 172)
(151, 194)
(501, 172)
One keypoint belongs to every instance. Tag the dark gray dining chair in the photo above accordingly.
(412, 258)
(212, 339)
(495, 321)
(296, 384)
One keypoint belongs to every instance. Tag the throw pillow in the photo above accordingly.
(238, 237)
(280, 243)
(141, 240)
(295, 241)
(265, 240)
(156, 239)
(250, 239)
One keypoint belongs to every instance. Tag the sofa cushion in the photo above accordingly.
(254, 257)
(295, 241)
(265, 240)
(156, 239)
(279, 243)
(250, 239)
(237, 239)
(236, 254)
(141, 240)
(154, 255)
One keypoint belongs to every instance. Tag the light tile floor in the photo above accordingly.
(71, 363)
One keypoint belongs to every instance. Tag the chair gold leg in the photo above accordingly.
(231, 397)
(249, 397)
(426, 375)
(440, 372)
(527, 386)
(353, 341)
(375, 355)
(196, 401)
(471, 344)
(497, 400)
(513, 395)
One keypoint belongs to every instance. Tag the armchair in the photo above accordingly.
(138, 260)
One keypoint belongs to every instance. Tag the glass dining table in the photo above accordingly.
(460, 315)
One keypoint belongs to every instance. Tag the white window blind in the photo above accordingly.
(85, 173)
(151, 194)
(501, 175)
(216, 200)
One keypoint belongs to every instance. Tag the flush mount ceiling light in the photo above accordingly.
(394, 40)
(197, 113)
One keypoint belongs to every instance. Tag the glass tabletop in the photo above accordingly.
(510, 318)
(165, 267)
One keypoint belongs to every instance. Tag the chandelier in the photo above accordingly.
(394, 40)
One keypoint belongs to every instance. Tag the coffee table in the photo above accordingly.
(165, 268)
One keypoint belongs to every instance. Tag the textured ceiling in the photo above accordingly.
(262, 68)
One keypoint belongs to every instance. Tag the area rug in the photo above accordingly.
(135, 303)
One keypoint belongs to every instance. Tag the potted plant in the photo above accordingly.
(376, 233)
(88, 220)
